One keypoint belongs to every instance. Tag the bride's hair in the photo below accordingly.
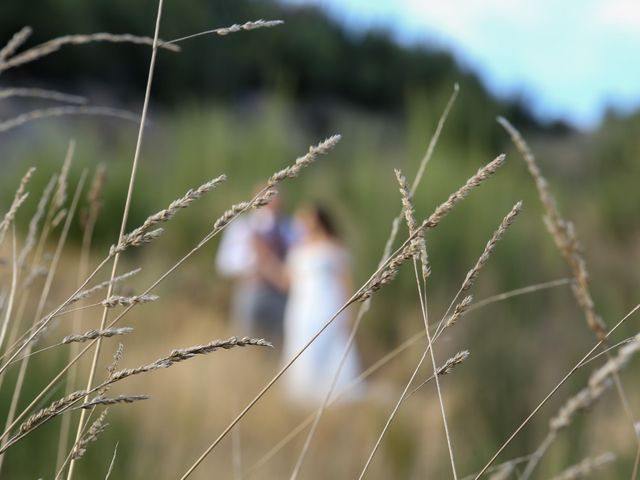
(325, 220)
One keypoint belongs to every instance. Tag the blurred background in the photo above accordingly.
(380, 73)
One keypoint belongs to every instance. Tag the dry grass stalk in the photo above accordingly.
(181, 355)
(293, 171)
(445, 369)
(409, 214)
(100, 400)
(15, 42)
(365, 305)
(60, 216)
(116, 359)
(176, 356)
(101, 286)
(42, 94)
(30, 241)
(51, 411)
(457, 359)
(96, 429)
(563, 233)
(142, 239)
(94, 196)
(554, 390)
(232, 29)
(504, 472)
(388, 273)
(115, 300)
(388, 358)
(113, 462)
(586, 467)
(18, 199)
(60, 196)
(168, 213)
(616, 363)
(422, 295)
(259, 201)
(599, 382)
(459, 310)
(93, 334)
(27, 345)
(483, 174)
(54, 45)
(125, 216)
(407, 201)
(34, 274)
(491, 244)
(64, 111)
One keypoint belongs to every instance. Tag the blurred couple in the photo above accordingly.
(291, 277)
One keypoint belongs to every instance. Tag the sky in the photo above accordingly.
(568, 59)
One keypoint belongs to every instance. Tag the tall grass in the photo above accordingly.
(33, 305)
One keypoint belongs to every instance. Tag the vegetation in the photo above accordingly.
(521, 346)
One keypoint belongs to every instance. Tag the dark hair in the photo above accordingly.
(325, 220)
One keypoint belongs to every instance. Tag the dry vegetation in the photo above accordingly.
(29, 327)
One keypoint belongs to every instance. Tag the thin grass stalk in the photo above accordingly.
(15, 42)
(113, 462)
(496, 468)
(43, 94)
(45, 294)
(51, 46)
(364, 307)
(236, 448)
(479, 264)
(554, 390)
(57, 201)
(414, 339)
(18, 199)
(538, 454)
(227, 30)
(42, 113)
(411, 341)
(636, 465)
(176, 356)
(354, 298)
(26, 287)
(392, 415)
(125, 214)
(506, 222)
(256, 202)
(332, 385)
(52, 210)
(12, 290)
(67, 459)
(94, 198)
(565, 238)
(425, 315)
(586, 467)
(378, 279)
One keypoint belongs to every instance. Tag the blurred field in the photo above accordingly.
(520, 348)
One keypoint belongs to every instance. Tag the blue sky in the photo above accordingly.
(569, 59)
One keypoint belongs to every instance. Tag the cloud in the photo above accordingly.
(572, 59)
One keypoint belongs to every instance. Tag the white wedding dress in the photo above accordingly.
(316, 293)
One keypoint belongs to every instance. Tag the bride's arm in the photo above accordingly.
(272, 269)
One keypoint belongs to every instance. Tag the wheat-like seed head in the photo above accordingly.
(96, 429)
(93, 334)
(490, 246)
(115, 300)
(15, 42)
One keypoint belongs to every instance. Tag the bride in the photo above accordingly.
(316, 275)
